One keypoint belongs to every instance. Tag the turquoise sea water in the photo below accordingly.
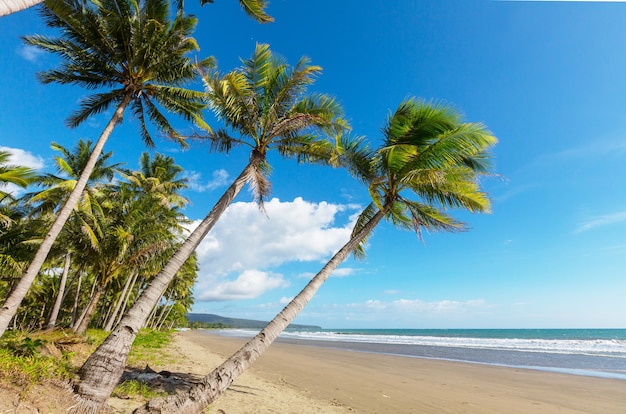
(593, 352)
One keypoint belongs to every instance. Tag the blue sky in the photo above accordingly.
(548, 78)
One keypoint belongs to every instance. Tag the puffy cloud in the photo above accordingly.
(245, 241)
(248, 285)
(23, 158)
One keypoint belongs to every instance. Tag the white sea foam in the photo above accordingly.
(612, 348)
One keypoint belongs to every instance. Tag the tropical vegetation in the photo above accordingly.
(139, 58)
(96, 244)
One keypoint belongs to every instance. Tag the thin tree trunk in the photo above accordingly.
(167, 314)
(84, 312)
(77, 297)
(105, 311)
(57, 304)
(213, 385)
(89, 312)
(39, 322)
(158, 319)
(104, 367)
(128, 294)
(109, 325)
(12, 6)
(151, 316)
(17, 295)
(68, 285)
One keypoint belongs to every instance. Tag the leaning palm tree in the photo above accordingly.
(70, 164)
(427, 151)
(132, 51)
(266, 103)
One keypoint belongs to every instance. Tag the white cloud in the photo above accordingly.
(600, 221)
(246, 240)
(30, 53)
(23, 158)
(285, 300)
(249, 285)
(418, 306)
(339, 272)
(220, 178)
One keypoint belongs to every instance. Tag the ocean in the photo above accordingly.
(591, 352)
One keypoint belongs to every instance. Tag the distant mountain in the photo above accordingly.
(240, 323)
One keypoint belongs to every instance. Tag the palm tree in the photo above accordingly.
(139, 56)
(266, 102)
(17, 232)
(426, 151)
(253, 8)
(11, 174)
(154, 188)
(158, 177)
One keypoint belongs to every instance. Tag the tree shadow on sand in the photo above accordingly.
(172, 382)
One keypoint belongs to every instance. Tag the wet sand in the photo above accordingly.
(303, 378)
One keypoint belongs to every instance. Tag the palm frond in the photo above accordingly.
(259, 183)
(365, 217)
(93, 105)
(427, 217)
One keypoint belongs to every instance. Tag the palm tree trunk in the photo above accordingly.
(167, 314)
(104, 367)
(151, 315)
(17, 295)
(213, 385)
(158, 320)
(128, 294)
(12, 6)
(118, 305)
(106, 308)
(89, 312)
(57, 304)
(84, 312)
(77, 297)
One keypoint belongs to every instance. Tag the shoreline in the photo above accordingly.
(353, 347)
(377, 383)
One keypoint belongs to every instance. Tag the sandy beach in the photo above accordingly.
(306, 379)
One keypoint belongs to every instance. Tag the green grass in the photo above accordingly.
(149, 349)
(134, 388)
(23, 360)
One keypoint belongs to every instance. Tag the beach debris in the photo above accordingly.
(167, 381)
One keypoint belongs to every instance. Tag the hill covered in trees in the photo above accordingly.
(216, 321)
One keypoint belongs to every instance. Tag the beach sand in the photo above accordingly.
(307, 379)
(304, 379)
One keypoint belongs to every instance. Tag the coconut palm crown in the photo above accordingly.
(267, 105)
(131, 51)
(428, 163)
